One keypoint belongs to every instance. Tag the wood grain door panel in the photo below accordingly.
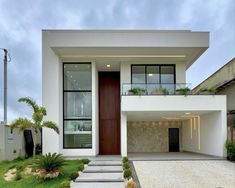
(109, 113)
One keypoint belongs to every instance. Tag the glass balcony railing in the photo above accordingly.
(156, 89)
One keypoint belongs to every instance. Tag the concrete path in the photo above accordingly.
(186, 174)
(101, 174)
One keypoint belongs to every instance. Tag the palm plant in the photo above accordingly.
(36, 123)
(50, 165)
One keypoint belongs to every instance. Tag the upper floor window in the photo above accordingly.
(151, 77)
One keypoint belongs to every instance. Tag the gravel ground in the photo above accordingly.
(182, 174)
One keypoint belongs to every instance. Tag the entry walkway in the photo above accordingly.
(171, 156)
(101, 173)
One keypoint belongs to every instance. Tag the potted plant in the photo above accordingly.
(183, 91)
(161, 91)
(136, 91)
(207, 91)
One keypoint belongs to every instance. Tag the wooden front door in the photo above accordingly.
(109, 113)
(173, 139)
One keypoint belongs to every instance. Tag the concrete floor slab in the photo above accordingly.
(100, 177)
(170, 156)
(98, 185)
(186, 174)
(93, 169)
(105, 163)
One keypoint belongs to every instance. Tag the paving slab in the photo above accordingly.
(98, 185)
(190, 174)
(105, 163)
(100, 177)
(102, 169)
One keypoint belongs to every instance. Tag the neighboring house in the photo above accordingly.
(87, 77)
(223, 81)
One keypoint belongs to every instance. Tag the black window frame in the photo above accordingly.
(160, 65)
(75, 119)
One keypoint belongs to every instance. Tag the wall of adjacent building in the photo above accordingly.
(230, 93)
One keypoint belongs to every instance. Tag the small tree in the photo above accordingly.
(36, 123)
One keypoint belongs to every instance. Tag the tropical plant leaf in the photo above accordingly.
(50, 162)
(22, 124)
(30, 102)
(51, 125)
(43, 110)
(37, 117)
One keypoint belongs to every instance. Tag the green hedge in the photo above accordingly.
(230, 146)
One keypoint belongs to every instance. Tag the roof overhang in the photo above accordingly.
(184, 46)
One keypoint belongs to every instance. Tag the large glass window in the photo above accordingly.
(153, 77)
(77, 105)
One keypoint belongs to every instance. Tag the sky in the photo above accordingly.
(21, 23)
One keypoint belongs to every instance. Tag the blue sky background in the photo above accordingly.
(21, 23)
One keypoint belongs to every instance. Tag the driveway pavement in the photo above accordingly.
(190, 174)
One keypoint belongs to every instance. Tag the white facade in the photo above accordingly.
(121, 49)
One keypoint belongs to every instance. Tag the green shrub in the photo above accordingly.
(81, 167)
(183, 91)
(207, 90)
(127, 173)
(230, 146)
(50, 162)
(73, 176)
(85, 161)
(126, 165)
(125, 159)
(65, 184)
(165, 91)
(136, 90)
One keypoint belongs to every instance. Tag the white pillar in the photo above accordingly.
(123, 134)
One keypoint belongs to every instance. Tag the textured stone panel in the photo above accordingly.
(149, 136)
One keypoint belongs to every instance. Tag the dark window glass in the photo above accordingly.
(153, 74)
(77, 77)
(138, 74)
(77, 105)
(167, 74)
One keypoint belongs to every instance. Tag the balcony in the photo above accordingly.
(163, 89)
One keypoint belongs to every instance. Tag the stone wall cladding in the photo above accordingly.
(143, 136)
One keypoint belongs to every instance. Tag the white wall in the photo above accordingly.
(51, 97)
(207, 137)
(174, 103)
(53, 101)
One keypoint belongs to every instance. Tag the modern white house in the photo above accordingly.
(116, 92)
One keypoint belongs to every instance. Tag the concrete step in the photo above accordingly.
(105, 163)
(102, 169)
(98, 185)
(100, 177)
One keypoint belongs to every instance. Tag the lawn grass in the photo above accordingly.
(32, 181)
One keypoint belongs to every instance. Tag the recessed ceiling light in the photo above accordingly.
(187, 113)
(150, 74)
(71, 76)
(108, 66)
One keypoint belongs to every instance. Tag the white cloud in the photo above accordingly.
(21, 23)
